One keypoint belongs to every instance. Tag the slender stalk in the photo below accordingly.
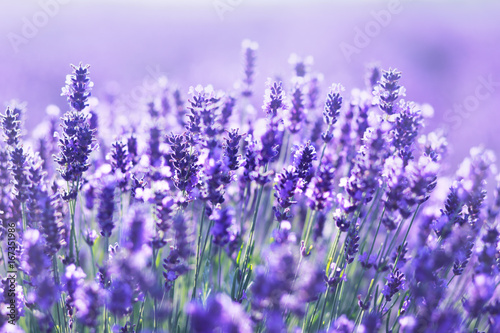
(198, 256)
(54, 264)
(309, 226)
(220, 269)
(404, 240)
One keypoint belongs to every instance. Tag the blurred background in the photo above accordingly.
(448, 51)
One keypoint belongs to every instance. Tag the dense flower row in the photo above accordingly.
(206, 215)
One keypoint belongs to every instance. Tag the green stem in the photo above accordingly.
(404, 240)
(309, 226)
(198, 255)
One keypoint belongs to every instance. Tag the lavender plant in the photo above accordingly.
(201, 217)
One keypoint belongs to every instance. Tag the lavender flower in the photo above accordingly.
(183, 161)
(223, 228)
(373, 75)
(175, 264)
(274, 100)
(342, 325)
(297, 112)
(395, 282)
(138, 230)
(11, 126)
(389, 90)
(227, 110)
(331, 110)
(231, 148)
(408, 123)
(119, 157)
(75, 145)
(78, 86)
(479, 292)
(320, 191)
(313, 91)
(88, 303)
(351, 245)
(286, 186)
(219, 313)
(72, 280)
(106, 207)
(34, 261)
(249, 56)
(300, 66)
(52, 227)
(119, 299)
(19, 172)
(154, 146)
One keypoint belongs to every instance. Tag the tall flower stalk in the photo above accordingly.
(76, 143)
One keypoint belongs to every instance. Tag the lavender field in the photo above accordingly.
(249, 166)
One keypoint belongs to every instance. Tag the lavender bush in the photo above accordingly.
(325, 212)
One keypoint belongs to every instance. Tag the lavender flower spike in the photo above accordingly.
(78, 86)
(274, 99)
(331, 110)
(249, 55)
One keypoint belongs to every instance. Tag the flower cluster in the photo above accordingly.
(315, 213)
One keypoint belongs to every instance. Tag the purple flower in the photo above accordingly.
(342, 325)
(331, 110)
(301, 67)
(72, 280)
(408, 123)
(395, 282)
(286, 186)
(351, 245)
(90, 237)
(88, 302)
(340, 219)
(313, 91)
(227, 110)
(184, 161)
(203, 107)
(165, 206)
(249, 56)
(11, 126)
(180, 108)
(154, 146)
(223, 228)
(231, 148)
(371, 322)
(34, 260)
(274, 100)
(462, 258)
(373, 75)
(297, 112)
(367, 262)
(389, 90)
(106, 207)
(320, 190)
(119, 157)
(138, 229)
(78, 86)
(479, 293)
(219, 313)
(19, 172)
(119, 300)
(76, 144)
(487, 257)
(52, 227)
(176, 263)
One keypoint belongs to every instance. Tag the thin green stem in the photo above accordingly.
(404, 240)
(198, 255)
